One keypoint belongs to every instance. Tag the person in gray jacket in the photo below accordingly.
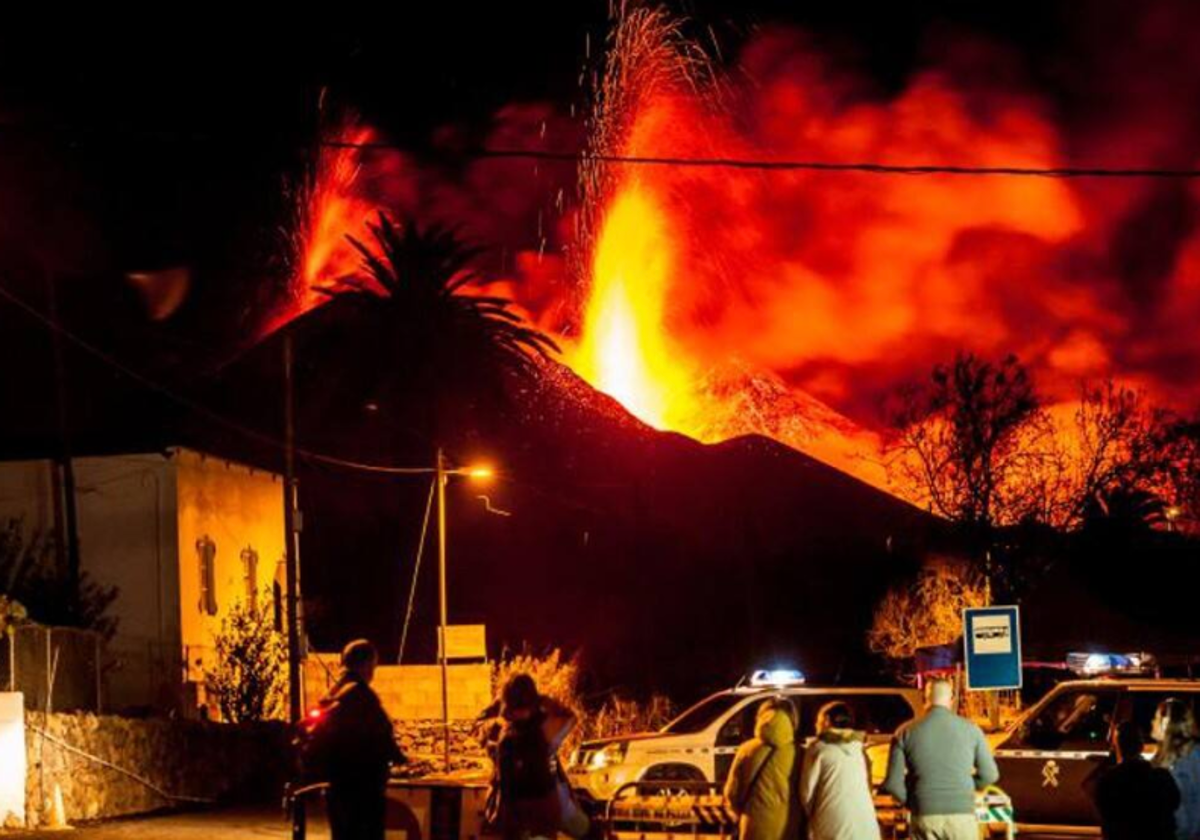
(835, 785)
(936, 765)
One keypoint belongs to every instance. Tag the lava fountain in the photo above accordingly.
(624, 350)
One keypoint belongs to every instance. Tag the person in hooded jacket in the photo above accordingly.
(763, 784)
(835, 781)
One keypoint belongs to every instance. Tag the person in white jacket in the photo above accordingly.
(835, 782)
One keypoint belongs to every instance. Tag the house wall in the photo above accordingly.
(238, 509)
(140, 519)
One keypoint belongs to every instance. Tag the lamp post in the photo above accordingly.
(442, 474)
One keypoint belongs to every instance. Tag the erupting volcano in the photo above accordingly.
(718, 302)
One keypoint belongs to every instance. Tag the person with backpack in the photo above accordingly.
(763, 785)
(835, 782)
(353, 747)
(528, 778)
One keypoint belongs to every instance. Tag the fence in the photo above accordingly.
(57, 668)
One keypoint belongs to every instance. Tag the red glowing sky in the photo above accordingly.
(844, 285)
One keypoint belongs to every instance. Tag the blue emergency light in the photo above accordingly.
(777, 677)
(1092, 664)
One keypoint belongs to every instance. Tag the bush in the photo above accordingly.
(625, 716)
(558, 676)
(249, 681)
(925, 612)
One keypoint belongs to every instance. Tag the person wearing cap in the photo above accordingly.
(356, 748)
(531, 803)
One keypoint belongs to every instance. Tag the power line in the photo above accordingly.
(246, 431)
(197, 407)
(862, 167)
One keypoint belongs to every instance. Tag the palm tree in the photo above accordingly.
(1124, 511)
(418, 280)
(409, 327)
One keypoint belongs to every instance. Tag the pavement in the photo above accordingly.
(225, 824)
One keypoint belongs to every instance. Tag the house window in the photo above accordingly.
(206, 552)
(250, 576)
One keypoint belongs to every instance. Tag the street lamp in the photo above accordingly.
(443, 473)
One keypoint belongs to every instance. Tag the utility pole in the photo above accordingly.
(64, 469)
(443, 646)
(292, 525)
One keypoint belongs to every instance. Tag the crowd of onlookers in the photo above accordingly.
(778, 788)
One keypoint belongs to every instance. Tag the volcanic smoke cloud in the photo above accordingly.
(717, 301)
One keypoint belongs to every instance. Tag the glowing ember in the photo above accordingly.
(335, 208)
(332, 204)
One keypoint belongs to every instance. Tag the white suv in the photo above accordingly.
(698, 746)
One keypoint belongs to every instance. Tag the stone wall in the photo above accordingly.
(421, 741)
(411, 692)
(207, 761)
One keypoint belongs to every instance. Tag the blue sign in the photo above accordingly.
(992, 648)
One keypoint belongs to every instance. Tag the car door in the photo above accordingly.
(1050, 762)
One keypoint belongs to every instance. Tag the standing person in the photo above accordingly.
(1136, 800)
(936, 765)
(354, 746)
(835, 783)
(527, 772)
(763, 784)
(1174, 728)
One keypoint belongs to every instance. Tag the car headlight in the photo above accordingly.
(610, 755)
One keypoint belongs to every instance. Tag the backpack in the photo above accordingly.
(524, 762)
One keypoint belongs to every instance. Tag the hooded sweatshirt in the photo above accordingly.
(835, 788)
(763, 784)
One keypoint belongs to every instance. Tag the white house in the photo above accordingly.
(184, 537)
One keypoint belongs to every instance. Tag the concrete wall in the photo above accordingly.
(239, 509)
(411, 692)
(207, 761)
(12, 760)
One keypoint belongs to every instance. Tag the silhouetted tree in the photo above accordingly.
(413, 327)
(1181, 473)
(418, 280)
(1124, 512)
(972, 444)
(30, 574)
(1114, 447)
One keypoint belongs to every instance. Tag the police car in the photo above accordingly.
(1047, 759)
(699, 745)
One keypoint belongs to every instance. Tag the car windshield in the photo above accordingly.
(703, 714)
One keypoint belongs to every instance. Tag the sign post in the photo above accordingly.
(992, 648)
